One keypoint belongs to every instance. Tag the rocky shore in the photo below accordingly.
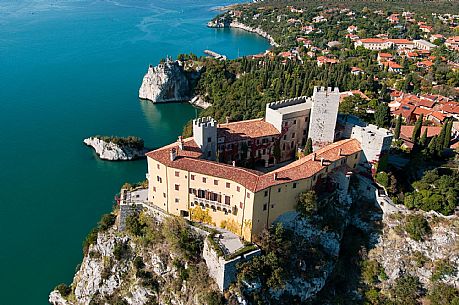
(238, 25)
(117, 149)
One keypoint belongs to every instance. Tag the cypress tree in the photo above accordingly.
(417, 130)
(449, 127)
(382, 115)
(440, 145)
(398, 126)
(308, 148)
(423, 140)
(432, 145)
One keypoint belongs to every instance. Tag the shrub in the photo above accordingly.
(107, 221)
(121, 250)
(442, 294)
(134, 226)
(213, 298)
(307, 203)
(90, 239)
(138, 263)
(406, 290)
(63, 289)
(442, 269)
(382, 178)
(417, 227)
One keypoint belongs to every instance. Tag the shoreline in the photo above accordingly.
(238, 25)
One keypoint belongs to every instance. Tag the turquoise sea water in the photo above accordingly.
(68, 70)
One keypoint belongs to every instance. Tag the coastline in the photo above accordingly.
(258, 31)
(238, 25)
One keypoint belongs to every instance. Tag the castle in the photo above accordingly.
(204, 171)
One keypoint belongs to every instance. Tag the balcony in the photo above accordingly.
(214, 205)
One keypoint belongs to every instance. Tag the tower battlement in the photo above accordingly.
(205, 122)
(287, 102)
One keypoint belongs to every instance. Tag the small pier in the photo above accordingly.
(215, 55)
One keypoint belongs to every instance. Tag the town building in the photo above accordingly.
(423, 45)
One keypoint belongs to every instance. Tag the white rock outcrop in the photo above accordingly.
(166, 82)
(114, 152)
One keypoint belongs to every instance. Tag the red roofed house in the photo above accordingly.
(406, 133)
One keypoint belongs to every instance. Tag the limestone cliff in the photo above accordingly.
(167, 82)
(148, 267)
(115, 149)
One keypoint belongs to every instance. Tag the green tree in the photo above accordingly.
(417, 227)
(307, 203)
(423, 140)
(406, 290)
(308, 148)
(417, 130)
(398, 126)
(443, 294)
(382, 115)
(448, 128)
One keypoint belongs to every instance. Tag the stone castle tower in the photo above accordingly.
(324, 113)
(205, 136)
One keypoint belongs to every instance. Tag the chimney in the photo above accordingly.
(339, 152)
(314, 157)
(275, 176)
(180, 142)
(321, 161)
(234, 163)
(173, 154)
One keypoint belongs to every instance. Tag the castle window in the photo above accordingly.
(293, 135)
(355, 157)
(227, 200)
(285, 124)
(285, 137)
(154, 189)
(176, 200)
(304, 132)
(279, 190)
(294, 185)
(215, 182)
(238, 188)
(294, 122)
(157, 165)
(177, 187)
(266, 193)
(209, 139)
(177, 174)
(164, 195)
(228, 185)
(306, 119)
(192, 177)
(160, 180)
(272, 206)
(204, 180)
(241, 205)
(265, 207)
(248, 195)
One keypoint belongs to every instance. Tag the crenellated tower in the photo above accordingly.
(205, 136)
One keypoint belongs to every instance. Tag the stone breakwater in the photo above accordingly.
(107, 150)
(239, 25)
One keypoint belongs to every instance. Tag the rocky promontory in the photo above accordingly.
(167, 82)
(117, 148)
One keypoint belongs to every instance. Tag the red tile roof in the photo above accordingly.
(419, 111)
(244, 130)
(188, 159)
(438, 115)
(406, 132)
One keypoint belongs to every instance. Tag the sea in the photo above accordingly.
(70, 69)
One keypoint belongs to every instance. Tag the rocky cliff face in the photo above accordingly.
(167, 82)
(108, 150)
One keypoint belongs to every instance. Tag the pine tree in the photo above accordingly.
(398, 126)
(432, 145)
(417, 130)
(308, 148)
